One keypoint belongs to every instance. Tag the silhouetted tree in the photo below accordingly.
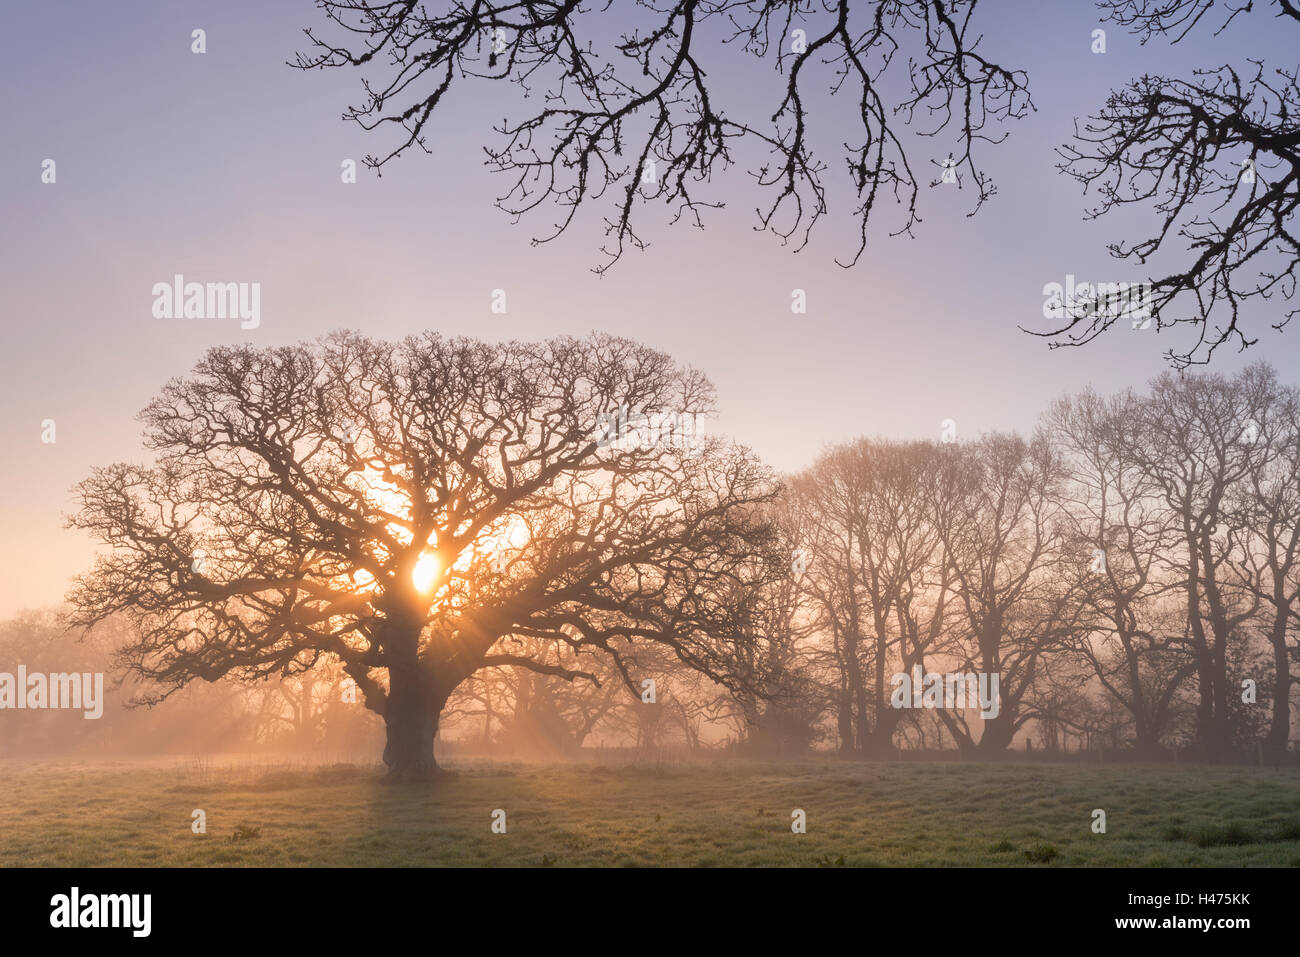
(1263, 529)
(996, 504)
(630, 106)
(877, 580)
(403, 507)
(1192, 437)
(1216, 156)
(1121, 536)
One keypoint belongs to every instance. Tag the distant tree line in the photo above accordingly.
(1130, 572)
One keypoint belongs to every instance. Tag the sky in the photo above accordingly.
(225, 166)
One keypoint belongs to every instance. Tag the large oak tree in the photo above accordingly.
(413, 510)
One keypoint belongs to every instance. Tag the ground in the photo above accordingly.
(110, 813)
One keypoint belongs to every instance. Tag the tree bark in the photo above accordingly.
(996, 736)
(1279, 732)
(414, 705)
(411, 721)
(844, 717)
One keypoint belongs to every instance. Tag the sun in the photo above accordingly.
(498, 544)
(426, 570)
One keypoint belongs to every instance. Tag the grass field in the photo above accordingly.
(720, 814)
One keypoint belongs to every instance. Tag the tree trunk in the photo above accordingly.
(857, 690)
(416, 696)
(411, 721)
(1201, 650)
(881, 740)
(996, 736)
(1279, 731)
(844, 717)
(415, 702)
(997, 733)
(1144, 740)
(1221, 740)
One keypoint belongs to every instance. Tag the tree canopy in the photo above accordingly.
(414, 509)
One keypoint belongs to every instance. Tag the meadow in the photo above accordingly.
(723, 813)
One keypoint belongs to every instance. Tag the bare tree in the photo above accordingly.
(998, 512)
(1192, 439)
(1264, 539)
(826, 517)
(1120, 534)
(403, 507)
(641, 117)
(1216, 156)
(876, 574)
(785, 718)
